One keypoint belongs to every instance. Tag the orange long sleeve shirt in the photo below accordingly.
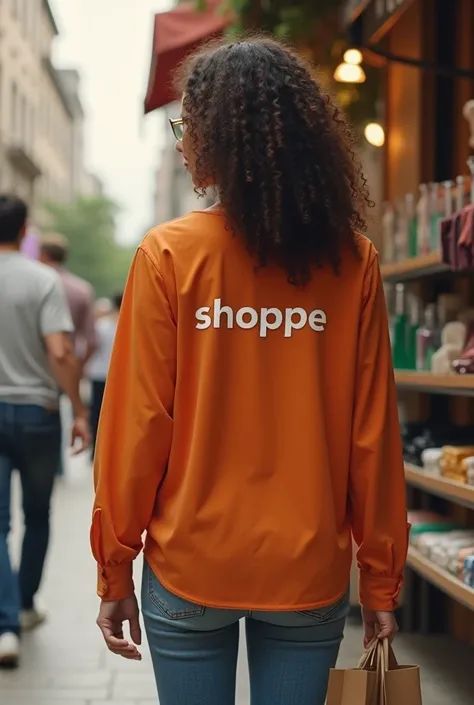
(249, 427)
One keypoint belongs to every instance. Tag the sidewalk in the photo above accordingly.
(65, 663)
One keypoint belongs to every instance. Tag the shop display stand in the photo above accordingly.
(434, 600)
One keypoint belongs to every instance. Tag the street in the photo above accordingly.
(65, 661)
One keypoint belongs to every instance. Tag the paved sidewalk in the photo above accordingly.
(65, 663)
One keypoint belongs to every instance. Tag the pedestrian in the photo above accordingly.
(105, 328)
(249, 423)
(36, 356)
(102, 307)
(54, 251)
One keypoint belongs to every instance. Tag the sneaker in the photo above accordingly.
(30, 619)
(9, 650)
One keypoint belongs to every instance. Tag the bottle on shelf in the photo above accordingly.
(399, 330)
(436, 213)
(428, 340)
(460, 183)
(423, 221)
(412, 225)
(448, 198)
(388, 233)
(401, 232)
(414, 322)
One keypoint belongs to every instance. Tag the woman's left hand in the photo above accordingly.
(110, 621)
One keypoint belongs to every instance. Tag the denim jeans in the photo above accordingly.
(30, 440)
(194, 650)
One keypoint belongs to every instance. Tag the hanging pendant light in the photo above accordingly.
(350, 69)
(375, 134)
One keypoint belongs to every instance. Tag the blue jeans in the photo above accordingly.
(30, 441)
(194, 650)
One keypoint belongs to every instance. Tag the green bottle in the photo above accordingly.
(435, 217)
(414, 323)
(433, 339)
(400, 329)
(412, 225)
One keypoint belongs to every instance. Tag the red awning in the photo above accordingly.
(176, 34)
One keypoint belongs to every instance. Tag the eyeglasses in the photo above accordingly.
(178, 128)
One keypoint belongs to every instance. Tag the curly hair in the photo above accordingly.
(279, 151)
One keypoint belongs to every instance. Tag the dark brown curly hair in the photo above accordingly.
(279, 151)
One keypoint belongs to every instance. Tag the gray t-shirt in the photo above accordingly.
(32, 305)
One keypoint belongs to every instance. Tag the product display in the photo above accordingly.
(440, 341)
(431, 460)
(441, 220)
(451, 463)
(468, 571)
(422, 441)
(400, 330)
(423, 522)
(432, 337)
(465, 363)
(448, 546)
(457, 243)
(468, 467)
(453, 336)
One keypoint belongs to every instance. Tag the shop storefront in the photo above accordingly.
(425, 49)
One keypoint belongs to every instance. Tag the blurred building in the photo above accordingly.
(69, 83)
(41, 116)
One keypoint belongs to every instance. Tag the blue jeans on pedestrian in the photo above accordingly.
(194, 650)
(30, 441)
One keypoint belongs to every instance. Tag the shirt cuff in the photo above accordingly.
(115, 582)
(379, 593)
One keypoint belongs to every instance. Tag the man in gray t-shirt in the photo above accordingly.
(33, 306)
(36, 357)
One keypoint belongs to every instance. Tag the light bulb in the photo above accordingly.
(353, 56)
(374, 134)
(349, 73)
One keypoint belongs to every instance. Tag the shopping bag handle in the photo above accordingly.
(382, 650)
(369, 657)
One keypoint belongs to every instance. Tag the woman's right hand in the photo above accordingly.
(380, 624)
(110, 621)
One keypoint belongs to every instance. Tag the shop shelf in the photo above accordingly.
(459, 385)
(440, 578)
(440, 486)
(413, 268)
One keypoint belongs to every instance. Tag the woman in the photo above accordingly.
(250, 420)
(105, 327)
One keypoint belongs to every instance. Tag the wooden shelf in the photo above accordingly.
(459, 385)
(440, 486)
(443, 580)
(413, 268)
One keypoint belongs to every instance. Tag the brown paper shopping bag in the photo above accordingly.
(378, 680)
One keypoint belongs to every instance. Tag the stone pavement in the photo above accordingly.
(65, 663)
